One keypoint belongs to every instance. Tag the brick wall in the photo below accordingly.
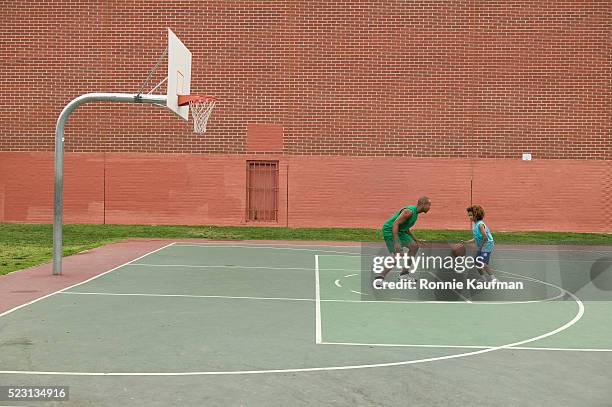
(314, 191)
(475, 79)
(371, 103)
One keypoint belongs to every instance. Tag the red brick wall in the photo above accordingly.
(322, 190)
(26, 187)
(476, 79)
(377, 101)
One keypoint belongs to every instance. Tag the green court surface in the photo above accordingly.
(236, 324)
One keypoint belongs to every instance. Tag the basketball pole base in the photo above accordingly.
(58, 182)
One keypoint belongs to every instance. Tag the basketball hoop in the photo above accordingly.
(201, 109)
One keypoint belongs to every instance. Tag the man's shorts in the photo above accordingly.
(485, 257)
(404, 240)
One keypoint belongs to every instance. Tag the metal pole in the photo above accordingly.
(59, 157)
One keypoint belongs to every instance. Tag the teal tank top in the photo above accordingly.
(478, 237)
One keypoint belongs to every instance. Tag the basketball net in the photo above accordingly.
(201, 109)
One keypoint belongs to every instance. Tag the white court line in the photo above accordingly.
(576, 318)
(336, 269)
(576, 299)
(234, 266)
(563, 349)
(318, 335)
(82, 282)
(229, 267)
(396, 345)
(358, 254)
(553, 250)
(229, 297)
(358, 246)
(222, 297)
(393, 345)
(266, 245)
(289, 247)
(546, 260)
(337, 283)
(550, 260)
(269, 247)
(568, 324)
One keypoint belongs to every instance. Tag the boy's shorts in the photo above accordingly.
(485, 257)
(404, 240)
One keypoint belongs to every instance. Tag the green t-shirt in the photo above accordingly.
(403, 227)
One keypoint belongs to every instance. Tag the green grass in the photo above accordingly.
(26, 245)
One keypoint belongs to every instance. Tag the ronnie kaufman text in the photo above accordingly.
(424, 284)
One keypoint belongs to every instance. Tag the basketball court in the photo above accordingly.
(279, 323)
(292, 324)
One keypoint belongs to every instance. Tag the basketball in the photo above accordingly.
(458, 250)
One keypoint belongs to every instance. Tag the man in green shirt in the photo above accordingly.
(397, 234)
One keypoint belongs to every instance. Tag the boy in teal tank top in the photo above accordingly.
(397, 234)
(482, 238)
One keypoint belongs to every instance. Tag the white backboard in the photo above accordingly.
(179, 74)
